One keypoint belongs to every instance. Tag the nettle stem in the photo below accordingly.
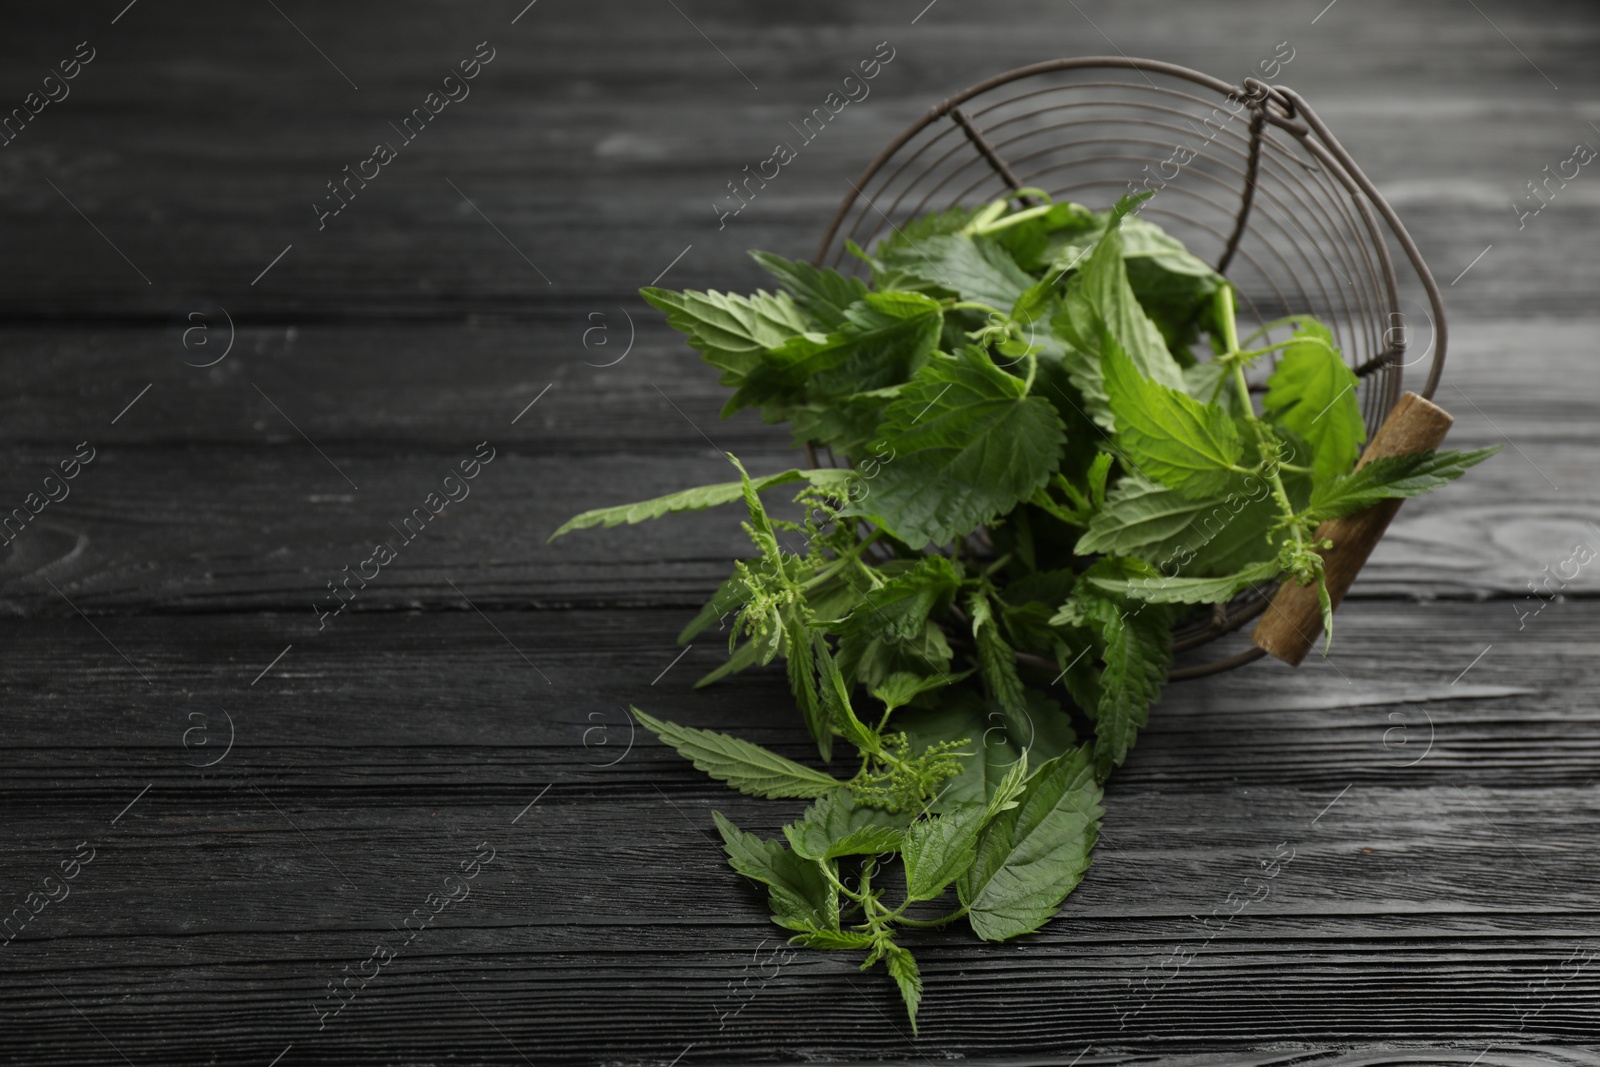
(1011, 327)
(975, 305)
(1287, 320)
(988, 227)
(897, 915)
(943, 920)
(841, 562)
(1269, 468)
(859, 898)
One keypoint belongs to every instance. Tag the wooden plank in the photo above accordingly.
(247, 513)
(1435, 775)
(269, 529)
(414, 254)
(496, 1006)
(553, 146)
(206, 925)
(432, 386)
(493, 722)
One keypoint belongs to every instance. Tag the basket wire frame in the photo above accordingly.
(1267, 195)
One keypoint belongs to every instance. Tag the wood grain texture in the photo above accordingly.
(563, 132)
(1429, 885)
(1436, 774)
(258, 519)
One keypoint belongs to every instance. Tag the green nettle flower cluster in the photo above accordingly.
(1068, 477)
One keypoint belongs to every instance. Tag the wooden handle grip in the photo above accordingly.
(1293, 620)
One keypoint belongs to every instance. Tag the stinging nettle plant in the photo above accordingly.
(1048, 478)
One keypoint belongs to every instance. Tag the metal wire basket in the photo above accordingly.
(1248, 177)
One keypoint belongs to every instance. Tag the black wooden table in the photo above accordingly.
(220, 800)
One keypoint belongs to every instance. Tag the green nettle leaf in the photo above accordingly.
(997, 662)
(846, 424)
(801, 896)
(1156, 588)
(900, 608)
(1142, 518)
(1136, 645)
(746, 767)
(1034, 240)
(1028, 625)
(1179, 534)
(800, 661)
(1080, 357)
(1099, 312)
(1168, 435)
(994, 740)
(1171, 284)
(1325, 606)
(869, 661)
(696, 499)
(834, 939)
(909, 234)
(822, 293)
(1212, 383)
(973, 268)
(885, 338)
(730, 596)
(731, 332)
(1080, 360)
(744, 657)
(760, 525)
(1099, 471)
(1313, 393)
(1145, 240)
(970, 445)
(1007, 789)
(1047, 586)
(1138, 651)
(1103, 283)
(1177, 302)
(1030, 857)
(903, 969)
(1081, 669)
(1036, 304)
(938, 849)
(832, 599)
(835, 694)
(902, 687)
(1391, 477)
(838, 826)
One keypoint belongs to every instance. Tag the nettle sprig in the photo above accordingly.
(1060, 457)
